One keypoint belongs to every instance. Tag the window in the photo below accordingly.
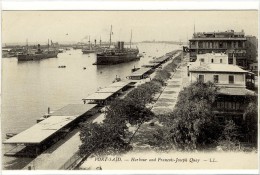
(201, 78)
(231, 79)
(220, 60)
(202, 60)
(237, 105)
(212, 60)
(215, 78)
(220, 45)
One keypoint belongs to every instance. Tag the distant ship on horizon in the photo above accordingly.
(92, 49)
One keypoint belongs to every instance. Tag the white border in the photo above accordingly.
(131, 5)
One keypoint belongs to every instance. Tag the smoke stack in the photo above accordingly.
(49, 110)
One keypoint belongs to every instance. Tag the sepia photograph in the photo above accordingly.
(129, 90)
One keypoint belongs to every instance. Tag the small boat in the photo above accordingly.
(63, 66)
(117, 79)
(9, 135)
(135, 69)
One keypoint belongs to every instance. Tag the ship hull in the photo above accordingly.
(116, 59)
(36, 56)
(88, 51)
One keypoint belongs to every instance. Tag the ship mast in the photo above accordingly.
(27, 47)
(48, 46)
(89, 41)
(110, 36)
(131, 39)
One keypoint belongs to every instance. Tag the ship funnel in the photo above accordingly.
(120, 45)
(39, 47)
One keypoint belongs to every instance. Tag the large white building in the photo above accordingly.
(224, 75)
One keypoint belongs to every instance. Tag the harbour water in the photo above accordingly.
(29, 88)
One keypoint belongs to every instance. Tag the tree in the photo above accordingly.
(112, 136)
(101, 138)
(228, 140)
(143, 94)
(128, 111)
(251, 119)
(192, 123)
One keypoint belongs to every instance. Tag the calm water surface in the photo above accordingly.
(29, 88)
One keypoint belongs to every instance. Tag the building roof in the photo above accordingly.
(110, 89)
(73, 110)
(218, 68)
(46, 128)
(119, 84)
(150, 65)
(98, 96)
(140, 72)
(160, 59)
(235, 91)
(218, 39)
(42, 130)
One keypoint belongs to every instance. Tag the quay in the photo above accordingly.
(49, 139)
(165, 103)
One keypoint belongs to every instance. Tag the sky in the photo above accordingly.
(76, 26)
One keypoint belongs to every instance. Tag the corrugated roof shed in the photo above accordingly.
(98, 96)
(110, 89)
(140, 72)
(119, 84)
(73, 110)
(42, 130)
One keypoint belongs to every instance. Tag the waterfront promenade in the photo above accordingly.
(164, 104)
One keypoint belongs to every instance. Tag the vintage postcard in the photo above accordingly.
(154, 90)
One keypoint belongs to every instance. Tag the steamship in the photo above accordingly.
(38, 55)
(92, 49)
(118, 54)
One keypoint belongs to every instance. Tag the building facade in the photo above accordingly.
(231, 81)
(230, 42)
(224, 75)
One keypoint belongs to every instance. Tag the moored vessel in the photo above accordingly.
(38, 55)
(118, 54)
